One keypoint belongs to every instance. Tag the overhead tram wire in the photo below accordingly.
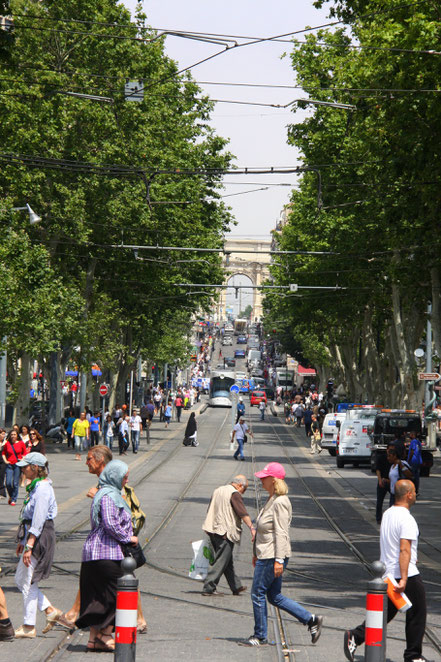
(134, 25)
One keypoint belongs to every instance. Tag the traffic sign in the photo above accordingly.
(429, 376)
(103, 390)
(234, 388)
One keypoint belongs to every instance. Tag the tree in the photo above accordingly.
(378, 214)
(105, 174)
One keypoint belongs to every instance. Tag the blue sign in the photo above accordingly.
(234, 388)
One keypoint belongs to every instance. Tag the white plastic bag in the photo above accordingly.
(202, 557)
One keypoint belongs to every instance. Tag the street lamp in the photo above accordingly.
(33, 219)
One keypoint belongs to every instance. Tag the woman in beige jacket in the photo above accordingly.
(272, 549)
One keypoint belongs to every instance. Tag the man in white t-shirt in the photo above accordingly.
(135, 429)
(398, 545)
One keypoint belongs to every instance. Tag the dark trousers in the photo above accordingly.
(94, 438)
(178, 413)
(415, 619)
(123, 443)
(308, 429)
(381, 494)
(2, 479)
(222, 565)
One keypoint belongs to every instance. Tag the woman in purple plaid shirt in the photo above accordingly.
(102, 555)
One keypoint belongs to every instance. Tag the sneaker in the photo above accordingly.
(216, 594)
(6, 632)
(21, 633)
(349, 646)
(254, 641)
(315, 628)
(12, 503)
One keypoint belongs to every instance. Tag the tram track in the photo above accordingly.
(358, 554)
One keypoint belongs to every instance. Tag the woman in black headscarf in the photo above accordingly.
(191, 431)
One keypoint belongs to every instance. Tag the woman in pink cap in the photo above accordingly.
(272, 549)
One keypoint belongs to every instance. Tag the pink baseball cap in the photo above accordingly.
(273, 469)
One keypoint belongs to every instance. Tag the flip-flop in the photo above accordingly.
(142, 629)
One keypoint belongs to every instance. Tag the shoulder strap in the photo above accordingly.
(13, 450)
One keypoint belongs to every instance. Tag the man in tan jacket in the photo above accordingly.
(223, 524)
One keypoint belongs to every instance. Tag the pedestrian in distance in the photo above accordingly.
(81, 434)
(95, 429)
(287, 411)
(108, 432)
(135, 423)
(6, 629)
(415, 459)
(191, 431)
(271, 553)
(240, 409)
(69, 424)
(298, 410)
(168, 414)
(179, 404)
(382, 468)
(316, 446)
(14, 449)
(399, 553)
(399, 469)
(307, 419)
(262, 407)
(2, 464)
(102, 556)
(240, 434)
(37, 442)
(223, 524)
(144, 412)
(36, 546)
(123, 434)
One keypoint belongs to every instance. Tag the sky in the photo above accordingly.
(257, 134)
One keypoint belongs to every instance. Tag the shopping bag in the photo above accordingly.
(202, 557)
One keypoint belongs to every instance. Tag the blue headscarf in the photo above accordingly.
(110, 484)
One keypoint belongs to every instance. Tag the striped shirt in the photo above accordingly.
(115, 527)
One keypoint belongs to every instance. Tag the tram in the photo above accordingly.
(220, 384)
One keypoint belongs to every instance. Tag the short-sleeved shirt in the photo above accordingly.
(394, 474)
(80, 427)
(398, 524)
(135, 422)
(94, 424)
(240, 430)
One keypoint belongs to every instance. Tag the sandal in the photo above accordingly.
(105, 646)
(52, 619)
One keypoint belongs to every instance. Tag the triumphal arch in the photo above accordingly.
(248, 257)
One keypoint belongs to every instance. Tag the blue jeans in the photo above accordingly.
(266, 585)
(239, 451)
(135, 440)
(12, 480)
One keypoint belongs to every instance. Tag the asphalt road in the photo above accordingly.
(174, 484)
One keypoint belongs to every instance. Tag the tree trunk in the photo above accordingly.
(436, 309)
(406, 365)
(21, 409)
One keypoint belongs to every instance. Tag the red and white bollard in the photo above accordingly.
(376, 616)
(126, 613)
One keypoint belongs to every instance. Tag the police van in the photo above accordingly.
(353, 439)
(330, 431)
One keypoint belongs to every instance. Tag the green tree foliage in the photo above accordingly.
(146, 197)
(379, 167)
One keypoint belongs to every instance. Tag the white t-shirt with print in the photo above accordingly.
(135, 422)
(397, 524)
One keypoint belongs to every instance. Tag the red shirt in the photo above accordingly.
(19, 448)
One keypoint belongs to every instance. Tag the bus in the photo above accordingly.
(240, 327)
(220, 384)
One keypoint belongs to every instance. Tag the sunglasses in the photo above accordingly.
(32, 434)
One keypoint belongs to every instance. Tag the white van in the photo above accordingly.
(254, 355)
(330, 431)
(354, 443)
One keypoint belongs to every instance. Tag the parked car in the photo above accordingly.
(239, 354)
(257, 397)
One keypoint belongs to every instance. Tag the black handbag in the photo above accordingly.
(135, 551)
